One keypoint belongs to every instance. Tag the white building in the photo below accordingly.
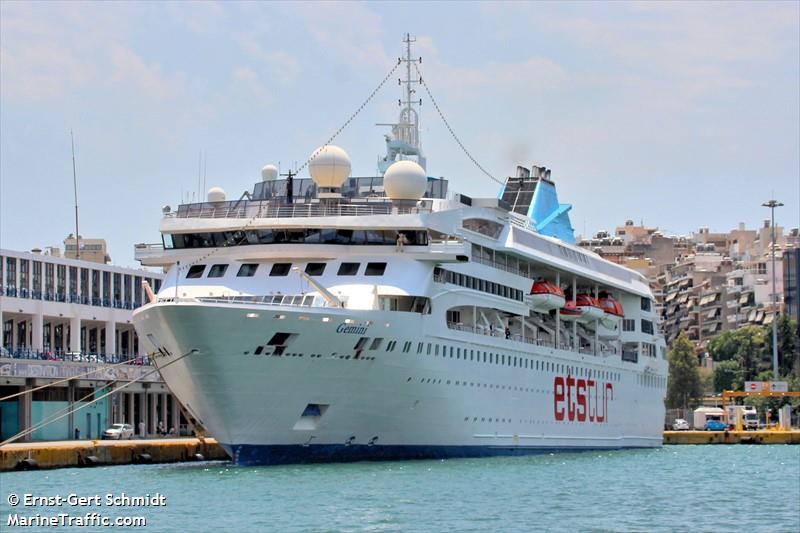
(63, 318)
(56, 305)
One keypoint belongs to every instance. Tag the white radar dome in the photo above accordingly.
(330, 167)
(405, 180)
(216, 194)
(269, 173)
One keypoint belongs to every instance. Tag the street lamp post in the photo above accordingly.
(772, 204)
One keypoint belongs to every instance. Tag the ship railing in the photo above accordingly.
(283, 300)
(270, 209)
(500, 334)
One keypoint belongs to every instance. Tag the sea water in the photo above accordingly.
(674, 488)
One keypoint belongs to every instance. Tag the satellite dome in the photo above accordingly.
(216, 194)
(405, 180)
(330, 167)
(269, 173)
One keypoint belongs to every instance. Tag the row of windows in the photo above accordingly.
(446, 276)
(294, 236)
(64, 283)
(480, 356)
(248, 270)
(629, 324)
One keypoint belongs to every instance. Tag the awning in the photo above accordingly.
(671, 296)
(768, 319)
(744, 298)
(712, 313)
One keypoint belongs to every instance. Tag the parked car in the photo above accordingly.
(119, 431)
(715, 425)
(680, 425)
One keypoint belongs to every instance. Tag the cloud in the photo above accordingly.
(350, 29)
(532, 74)
(50, 51)
(131, 70)
(277, 64)
(38, 71)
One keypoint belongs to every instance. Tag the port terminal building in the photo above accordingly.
(64, 316)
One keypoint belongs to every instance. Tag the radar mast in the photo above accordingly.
(403, 141)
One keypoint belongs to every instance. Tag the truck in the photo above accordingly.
(748, 413)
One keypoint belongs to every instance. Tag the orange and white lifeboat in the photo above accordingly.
(570, 311)
(612, 311)
(589, 307)
(545, 296)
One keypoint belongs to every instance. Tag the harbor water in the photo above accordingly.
(674, 488)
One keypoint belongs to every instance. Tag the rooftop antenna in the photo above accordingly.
(289, 186)
(199, 172)
(406, 130)
(205, 168)
(75, 190)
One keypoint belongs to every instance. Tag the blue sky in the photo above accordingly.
(677, 114)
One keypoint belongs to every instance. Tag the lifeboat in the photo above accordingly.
(570, 311)
(612, 311)
(545, 296)
(589, 307)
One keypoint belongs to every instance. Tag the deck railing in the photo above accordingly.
(268, 209)
(500, 334)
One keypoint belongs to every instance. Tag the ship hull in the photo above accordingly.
(435, 394)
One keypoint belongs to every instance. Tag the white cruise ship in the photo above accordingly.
(337, 318)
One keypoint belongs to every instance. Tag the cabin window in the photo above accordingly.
(628, 324)
(375, 269)
(217, 271)
(280, 269)
(248, 270)
(646, 304)
(348, 269)
(315, 269)
(195, 271)
(647, 327)
(376, 343)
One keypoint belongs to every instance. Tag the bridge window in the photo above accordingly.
(280, 269)
(375, 269)
(348, 269)
(248, 270)
(195, 271)
(217, 271)
(315, 269)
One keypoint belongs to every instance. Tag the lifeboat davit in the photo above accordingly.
(545, 296)
(570, 311)
(612, 311)
(589, 307)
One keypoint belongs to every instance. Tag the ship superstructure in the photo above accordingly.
(384, 317)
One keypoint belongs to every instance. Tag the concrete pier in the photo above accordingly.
(732, 437)
(59, 454)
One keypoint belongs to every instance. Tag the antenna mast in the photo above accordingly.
(75, 190)
(409, 119)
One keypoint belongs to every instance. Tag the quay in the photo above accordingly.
(733, 437)
(58, 454)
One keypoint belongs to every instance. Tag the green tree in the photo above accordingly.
(726, 373)
(788, 346)
(723, 347)
(684, 378)
(750, 352)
